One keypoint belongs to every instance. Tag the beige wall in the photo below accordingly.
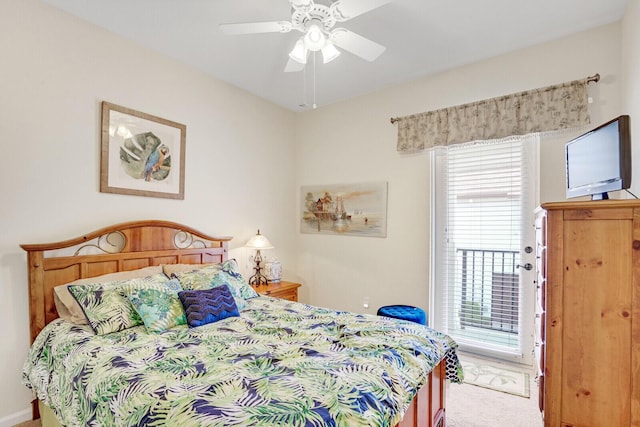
(55, 70)
(630, 87)
(354, 142)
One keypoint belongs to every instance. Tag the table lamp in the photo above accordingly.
(258, 242)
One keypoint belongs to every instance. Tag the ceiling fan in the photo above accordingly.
(315, 21)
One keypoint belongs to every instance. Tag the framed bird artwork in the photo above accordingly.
(141, 154)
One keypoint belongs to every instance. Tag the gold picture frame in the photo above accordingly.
(141, 154)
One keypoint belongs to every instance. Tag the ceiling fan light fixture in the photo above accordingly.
(315, 39)
(329, 53)
(299, 52)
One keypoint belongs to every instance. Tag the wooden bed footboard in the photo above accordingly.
(427, 408)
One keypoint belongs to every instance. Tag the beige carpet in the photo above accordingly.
(472, 406)
(35, 423)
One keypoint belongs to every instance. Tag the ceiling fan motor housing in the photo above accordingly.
(303, 17)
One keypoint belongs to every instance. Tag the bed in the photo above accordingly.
(265, 361)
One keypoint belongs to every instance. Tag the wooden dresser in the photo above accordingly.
(588, 313)
(283, 289)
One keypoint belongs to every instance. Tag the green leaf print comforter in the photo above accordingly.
(280, 363)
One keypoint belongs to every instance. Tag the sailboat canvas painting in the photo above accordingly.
(350, 209)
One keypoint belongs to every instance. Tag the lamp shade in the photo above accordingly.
(299, 52)
(259, 242)
(329, 53)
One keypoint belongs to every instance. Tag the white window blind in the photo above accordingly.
(480, 214)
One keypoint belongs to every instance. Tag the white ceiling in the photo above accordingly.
(422, 37)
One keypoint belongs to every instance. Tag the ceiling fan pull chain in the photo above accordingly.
(314, 80)
(304, 86)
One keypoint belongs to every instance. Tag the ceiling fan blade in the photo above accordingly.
(293, 66)
(347, 9)
(356, 44)
(256, 27)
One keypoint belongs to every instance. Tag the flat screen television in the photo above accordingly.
(599, 161)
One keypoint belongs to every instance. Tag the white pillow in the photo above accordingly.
(67, 306)
(170, 269)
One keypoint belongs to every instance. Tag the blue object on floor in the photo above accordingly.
(405, 312)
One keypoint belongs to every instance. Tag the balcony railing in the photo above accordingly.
(489, 289)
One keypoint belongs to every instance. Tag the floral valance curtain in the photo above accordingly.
(551, 108)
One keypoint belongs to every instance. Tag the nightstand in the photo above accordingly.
(283, 289)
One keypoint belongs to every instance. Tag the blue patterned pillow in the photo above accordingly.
(157, 304)
(208, 306)
(106, 306)
(213, 275)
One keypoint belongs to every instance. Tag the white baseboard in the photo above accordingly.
(16, 418)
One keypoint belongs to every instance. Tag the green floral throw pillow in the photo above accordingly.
(106, 306)
(158, 305)
(211, 276)
(235, 279)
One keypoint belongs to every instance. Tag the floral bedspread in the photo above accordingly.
(279, 363)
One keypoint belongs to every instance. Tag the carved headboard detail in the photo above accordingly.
(120, 247)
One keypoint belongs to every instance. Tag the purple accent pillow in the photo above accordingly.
(208, 305)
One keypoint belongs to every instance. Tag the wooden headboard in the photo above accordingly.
(120, 247)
